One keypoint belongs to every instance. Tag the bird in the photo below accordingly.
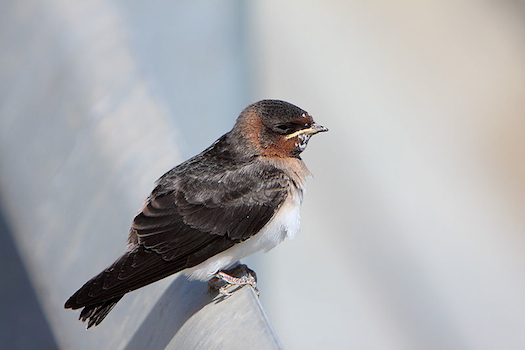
(239, 196)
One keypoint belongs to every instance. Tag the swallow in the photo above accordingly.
(239, 196)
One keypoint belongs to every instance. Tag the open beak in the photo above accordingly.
(312, 130)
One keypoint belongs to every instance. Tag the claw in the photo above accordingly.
(229, 278)
(223, 291)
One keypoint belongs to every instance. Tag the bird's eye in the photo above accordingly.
(283, 128)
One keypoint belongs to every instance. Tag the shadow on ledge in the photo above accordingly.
(178, 303)
(187, 317)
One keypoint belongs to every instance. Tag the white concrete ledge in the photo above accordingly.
(187, 317)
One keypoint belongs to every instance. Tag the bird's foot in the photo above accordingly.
(237, 277)
(248, 277)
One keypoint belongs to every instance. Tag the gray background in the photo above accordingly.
(413, 226)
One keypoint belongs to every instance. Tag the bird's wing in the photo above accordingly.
(187, 219)
(182, 216)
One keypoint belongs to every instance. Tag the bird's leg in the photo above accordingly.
(240, 275)
(248, 277)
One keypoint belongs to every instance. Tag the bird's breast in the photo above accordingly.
(285, 223)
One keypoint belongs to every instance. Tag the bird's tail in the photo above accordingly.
(131, 271)
(98, 296)
(95, 310)
(94, 314)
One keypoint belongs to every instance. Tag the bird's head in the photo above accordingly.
(276, 128)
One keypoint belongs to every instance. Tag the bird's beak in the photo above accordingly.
(312, 130)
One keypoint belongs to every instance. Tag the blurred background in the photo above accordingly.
(413, 227)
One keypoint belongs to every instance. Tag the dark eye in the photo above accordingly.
(284, 128)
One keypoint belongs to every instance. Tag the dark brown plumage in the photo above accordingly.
(210, 203)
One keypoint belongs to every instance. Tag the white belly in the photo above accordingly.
(284, 224)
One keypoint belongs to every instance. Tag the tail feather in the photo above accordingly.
(133, 270)
(94, 314)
